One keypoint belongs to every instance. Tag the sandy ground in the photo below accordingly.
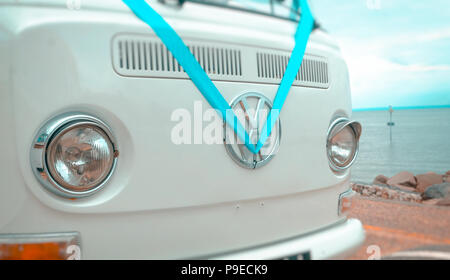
(402, 230)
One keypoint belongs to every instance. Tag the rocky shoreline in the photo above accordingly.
(428, 188)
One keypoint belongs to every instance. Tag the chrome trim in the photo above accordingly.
(8, 238)
(240, 159)
(337, 126)
(42, 140)
(348, 194)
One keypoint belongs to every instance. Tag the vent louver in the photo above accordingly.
(136, 55)
(149, 56)
(272, 66)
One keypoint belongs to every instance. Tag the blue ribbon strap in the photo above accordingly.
(301, 39)
(201, 80)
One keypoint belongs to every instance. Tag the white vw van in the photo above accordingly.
(90, 106)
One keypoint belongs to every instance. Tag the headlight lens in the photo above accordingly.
(342, 144)
(80, 157)
(74, 154)
(342, 147)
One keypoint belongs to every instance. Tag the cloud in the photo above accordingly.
(396, 55)
(419, 37)
(377, 81)
(425, 68)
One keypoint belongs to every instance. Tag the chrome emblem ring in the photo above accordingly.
(252, 110)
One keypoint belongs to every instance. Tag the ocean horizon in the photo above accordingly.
(400, 108)
(420, 142)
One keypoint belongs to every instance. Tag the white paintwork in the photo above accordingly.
(321, 245)
(420, 254)
(164, 200)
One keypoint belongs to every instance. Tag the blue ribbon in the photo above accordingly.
(201, 80)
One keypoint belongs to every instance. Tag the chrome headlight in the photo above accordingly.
(74, 155)
(342, 143)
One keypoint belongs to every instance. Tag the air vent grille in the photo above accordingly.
(272, 66)
(135, 55)
(150, 56)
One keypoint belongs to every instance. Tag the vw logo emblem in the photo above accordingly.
(252, 110)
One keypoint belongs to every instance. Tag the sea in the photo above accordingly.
(420, 142)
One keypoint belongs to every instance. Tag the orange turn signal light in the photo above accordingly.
(50, 246)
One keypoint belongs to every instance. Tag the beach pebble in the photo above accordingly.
(426, 180)
(403, 178)
(386, 192)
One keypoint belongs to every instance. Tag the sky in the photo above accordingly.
(397, 51)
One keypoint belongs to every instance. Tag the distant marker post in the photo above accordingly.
(390, 123)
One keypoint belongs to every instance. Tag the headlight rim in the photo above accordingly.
(52, 129)
(336, 126)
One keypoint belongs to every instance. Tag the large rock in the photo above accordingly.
(446, 178)
(405, 188)
(380, 180)
(437, 191)
(444, 202)
(447, 173)
(404, 178)
(428, 179)
(433, 201)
